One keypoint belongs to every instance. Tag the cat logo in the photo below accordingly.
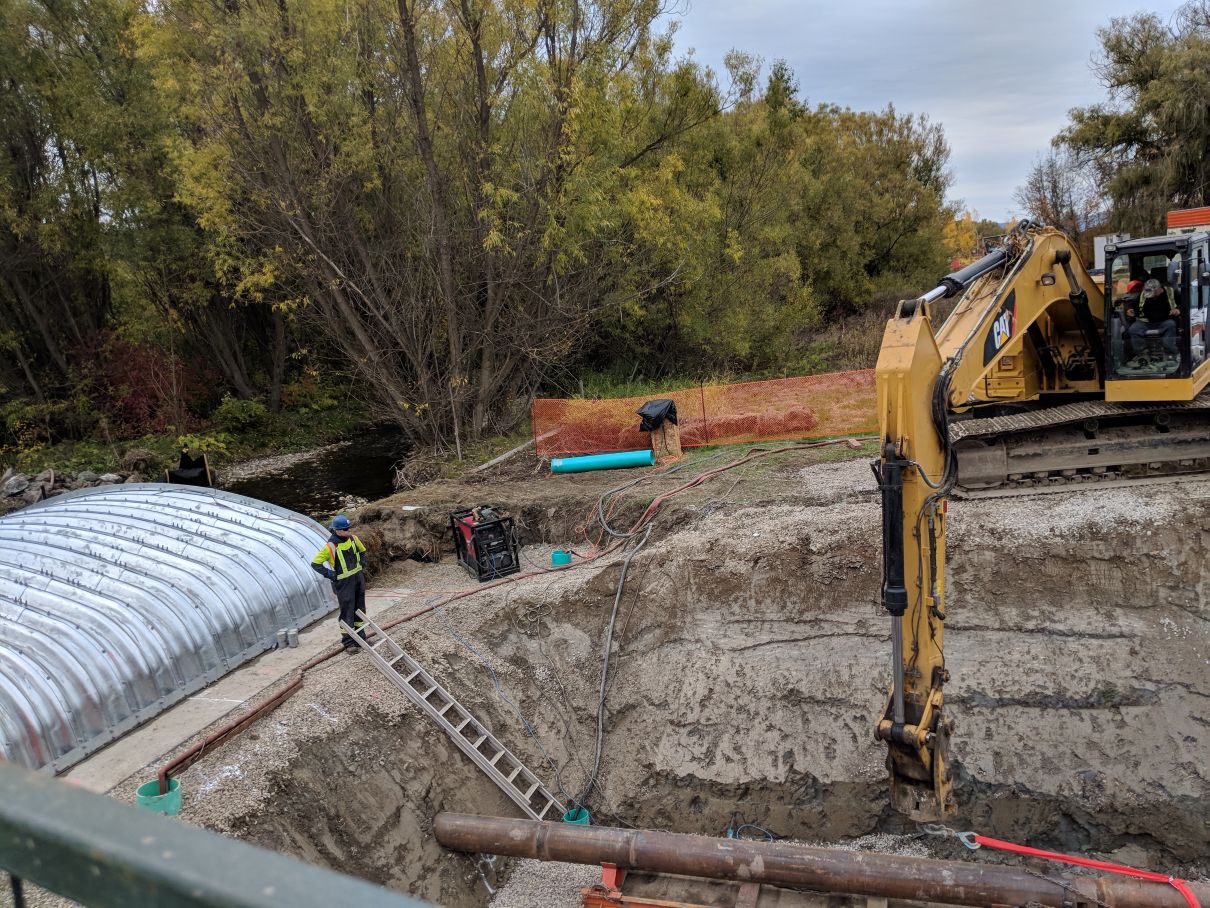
(1002, 329)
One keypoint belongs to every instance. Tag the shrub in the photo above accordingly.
(235, 415)
(216, 444)
(308, 393)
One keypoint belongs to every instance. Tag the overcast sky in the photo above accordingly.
(1000, 77)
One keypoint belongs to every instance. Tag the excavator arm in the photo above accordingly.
(911, 474)
(915, 471)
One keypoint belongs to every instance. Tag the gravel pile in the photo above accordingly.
(545, 884)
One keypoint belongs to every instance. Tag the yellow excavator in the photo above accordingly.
(1039, 380)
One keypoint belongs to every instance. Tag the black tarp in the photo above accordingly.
(654, 412)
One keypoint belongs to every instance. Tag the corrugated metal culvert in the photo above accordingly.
(116, 602)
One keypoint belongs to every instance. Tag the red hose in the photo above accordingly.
(237, 725)
(1181, 886)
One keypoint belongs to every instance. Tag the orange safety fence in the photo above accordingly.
(809, 406)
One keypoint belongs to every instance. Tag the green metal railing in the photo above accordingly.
(101, 853)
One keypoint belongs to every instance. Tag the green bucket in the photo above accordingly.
(578, 817)
(559, 558)
(149, 798)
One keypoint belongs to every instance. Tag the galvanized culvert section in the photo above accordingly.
(117, 602)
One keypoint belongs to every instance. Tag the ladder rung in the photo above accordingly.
(390, 654)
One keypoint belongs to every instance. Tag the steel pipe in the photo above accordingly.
(820, 869)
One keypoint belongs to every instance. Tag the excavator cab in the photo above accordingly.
(1156, 296)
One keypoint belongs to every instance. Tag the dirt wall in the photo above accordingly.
(750, 663)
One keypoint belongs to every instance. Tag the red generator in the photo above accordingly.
(485, 541)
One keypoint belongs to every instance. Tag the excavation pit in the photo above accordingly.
(749, 664)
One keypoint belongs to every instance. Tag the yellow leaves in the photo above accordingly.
(253, 285)
(494, 240)
(415, 409)
(733, 248)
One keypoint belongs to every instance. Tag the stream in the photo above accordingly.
(333, 480)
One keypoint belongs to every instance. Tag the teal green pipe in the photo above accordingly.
(615, 460)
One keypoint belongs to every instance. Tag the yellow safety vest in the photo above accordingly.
(347, 555)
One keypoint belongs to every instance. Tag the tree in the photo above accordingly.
(1060, 193)
(63, 70)
(966, 236)
(1149, 142)
(440, 179)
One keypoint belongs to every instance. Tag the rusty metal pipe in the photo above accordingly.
(820, 869)
(221, 734)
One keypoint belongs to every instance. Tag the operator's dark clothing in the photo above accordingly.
(342, 560)
(1156, 317)
(1167, 333)
(1156, 308)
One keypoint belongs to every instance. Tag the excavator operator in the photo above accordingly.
(1159, 314)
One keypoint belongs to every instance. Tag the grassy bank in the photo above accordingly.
(841, 346)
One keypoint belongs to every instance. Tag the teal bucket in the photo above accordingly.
(558, 558)
(149, 798)
(578, 817)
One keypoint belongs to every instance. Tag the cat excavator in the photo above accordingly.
(1041, 379)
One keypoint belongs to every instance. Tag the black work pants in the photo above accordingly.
(351, 594)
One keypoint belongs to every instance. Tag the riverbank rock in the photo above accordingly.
(15, 485)
(18, 489)
(138, 460)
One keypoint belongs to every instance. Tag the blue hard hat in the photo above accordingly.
(341, 522)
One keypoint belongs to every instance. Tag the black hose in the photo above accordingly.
(613, 617)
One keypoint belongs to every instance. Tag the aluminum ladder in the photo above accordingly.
(497, 761)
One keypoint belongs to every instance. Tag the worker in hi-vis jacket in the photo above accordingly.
(342, 560)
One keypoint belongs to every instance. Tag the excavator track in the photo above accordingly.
(1087, 443)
